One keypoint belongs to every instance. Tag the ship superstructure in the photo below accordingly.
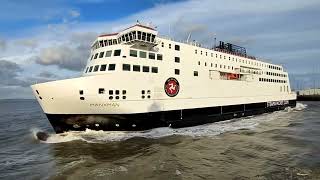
(137, 80)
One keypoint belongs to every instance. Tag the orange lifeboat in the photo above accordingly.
(232, 76)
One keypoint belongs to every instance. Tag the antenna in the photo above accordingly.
(215, 40)
(189, 36)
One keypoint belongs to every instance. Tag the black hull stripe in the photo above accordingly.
(144, 121)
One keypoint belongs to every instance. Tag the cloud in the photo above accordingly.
(9, 74)
(3, 45)
(71, 55)
(64, 57)
(74, 13)
(28, 43)
(48, 75)
(305, 80)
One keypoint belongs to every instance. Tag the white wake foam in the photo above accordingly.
(212, 129)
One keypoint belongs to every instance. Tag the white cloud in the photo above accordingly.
(3, 45)
(74, 13)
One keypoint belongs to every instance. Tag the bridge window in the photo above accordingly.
(101, 54)
(95, 56)
(148, 37)
(111, 67)
(143, 36)
(143, 54)
(146, 69)
(136, 68)
(177, 59)
(159, 57)
(126, 67)
(117, 52)
(177, 47)
(133, 53)
(101, 44)
(152, 56)
(108, 53)
(103, 67)
(139, 35)
(91, 57)
(154, 69)
(134, 34)
(153, 37)
(87, 69)
(90, 70)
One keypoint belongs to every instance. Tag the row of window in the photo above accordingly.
(143, 54)
(274, 67)
(285, 88)
(137, 35)
(106, 54)
(104, 43)
(240, 60)
(137, 68)
(216, 65)
(103, 67)
(131, 36)
(272, 80)
(276, 74)
(176, 47)
(125, 67)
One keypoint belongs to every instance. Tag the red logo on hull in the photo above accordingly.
(172, 87)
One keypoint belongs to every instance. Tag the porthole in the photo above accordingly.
(81, 92)
(117, 97)
(149, 96)
(142, 97)
(124, 92)
(124, 97)
(117, 92)
(110, 92)
(143, 92)
(110, 97)
(82, 98)
(148, 91)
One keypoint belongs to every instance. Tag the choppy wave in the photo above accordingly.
(212, 129)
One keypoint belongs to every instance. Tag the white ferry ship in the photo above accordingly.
(136, 80)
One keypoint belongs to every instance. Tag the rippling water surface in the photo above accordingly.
(280, 145)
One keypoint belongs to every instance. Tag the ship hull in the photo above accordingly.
(144, 121)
